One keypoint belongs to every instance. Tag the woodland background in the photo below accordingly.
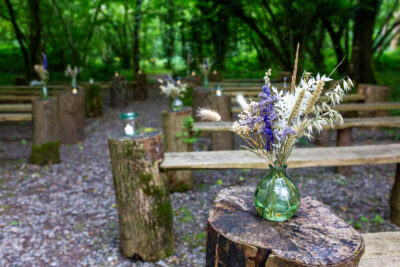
(242, 37)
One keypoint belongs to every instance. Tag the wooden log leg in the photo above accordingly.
(118, 92)
(344, 139)
(71, 115)
(174, 133)
(140, 89)
(144, 205)
(94, 101)
(395, 198)
(46, 138)
(315, 236)
(222, 140)
(323, 139)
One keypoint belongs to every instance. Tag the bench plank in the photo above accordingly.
(347, 123)
(15, 107)
(301, 157)
(15, 117)
(381, 249)
(353, 107)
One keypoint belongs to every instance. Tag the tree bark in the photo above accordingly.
(46, 138)
(118, 92)
(144, 206)
(315, 236)
(71, 114)
(173, 121)
(35, 29)
(222, 140)
(395, 198)
(361, 59)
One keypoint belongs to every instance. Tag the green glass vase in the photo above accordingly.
(276, 197)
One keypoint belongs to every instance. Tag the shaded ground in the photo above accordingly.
(65, 214)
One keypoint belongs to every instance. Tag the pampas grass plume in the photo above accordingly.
(208, 114)
(242, 102)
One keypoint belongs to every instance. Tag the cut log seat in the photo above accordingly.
(300, 157)
(15, 117)
(348, 123)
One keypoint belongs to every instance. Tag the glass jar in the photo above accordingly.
(276, 197)
(130, 123)
(176, 104)
(218, 91)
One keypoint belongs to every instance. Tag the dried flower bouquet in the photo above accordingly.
(272, 126)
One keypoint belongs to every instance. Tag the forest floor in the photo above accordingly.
(65, 214)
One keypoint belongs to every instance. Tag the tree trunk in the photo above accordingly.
(140, 88)
(71, 114)
(395, 198)
(136, 39)
(222, 140)
(35, 29)
(46, 138)
(118, 92)
(20, 38)
(144, 206)
(361, 59)
(173, 121)
(238, 236)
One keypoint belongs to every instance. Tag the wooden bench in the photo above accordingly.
(348, 123)
(381, 249)
(301, 157)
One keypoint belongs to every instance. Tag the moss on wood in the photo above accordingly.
(47, 153)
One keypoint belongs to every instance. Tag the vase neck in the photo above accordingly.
(276, 169)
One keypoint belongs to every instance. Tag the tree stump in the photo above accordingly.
(215, 77)
(323, 138)
(373, 94)
(222, 140)
(46, 138)
(71, 115)
(118, 92)
(94, 101)
(144, 206)
(195, 80)
(200, 100)
(238, 236)
(344, 138)
(395, 198)
(140, 89)
(173, 121)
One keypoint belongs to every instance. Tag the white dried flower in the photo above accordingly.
(208, 114)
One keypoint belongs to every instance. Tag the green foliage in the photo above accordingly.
(188, 135)
(187, 98)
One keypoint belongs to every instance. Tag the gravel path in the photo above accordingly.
(65, 214)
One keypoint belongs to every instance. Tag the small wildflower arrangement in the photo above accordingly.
(42, 71)
(205, 67)
(272, 126)
(73, 73)
(172, 88)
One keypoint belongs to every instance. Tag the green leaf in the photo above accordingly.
(378, 219)
(218, 182)
(364, 219)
